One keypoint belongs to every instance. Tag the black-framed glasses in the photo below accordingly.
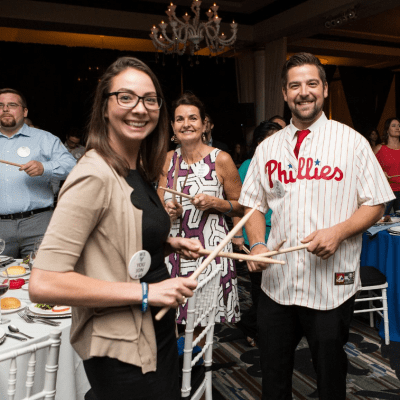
(131, 100)
(10, 106)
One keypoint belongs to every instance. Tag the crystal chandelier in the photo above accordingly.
(189, 34)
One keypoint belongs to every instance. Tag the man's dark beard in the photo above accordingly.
(309, 117)
(8, 123)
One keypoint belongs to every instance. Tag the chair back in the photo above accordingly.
(201, 313)
(51, 368)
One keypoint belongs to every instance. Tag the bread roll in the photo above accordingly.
(10, 303)
(16, 270)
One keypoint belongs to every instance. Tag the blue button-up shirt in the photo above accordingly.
(20, 192)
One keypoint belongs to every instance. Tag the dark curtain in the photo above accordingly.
(59, 83)
(366, 92)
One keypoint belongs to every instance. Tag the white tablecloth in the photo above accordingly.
(72, 383)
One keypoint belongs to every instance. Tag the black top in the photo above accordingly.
(155, 225)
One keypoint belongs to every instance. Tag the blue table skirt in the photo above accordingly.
(382, 251)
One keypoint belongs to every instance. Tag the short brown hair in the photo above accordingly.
(153, 149)
(22, 97)
(298, 60)
(189, 99)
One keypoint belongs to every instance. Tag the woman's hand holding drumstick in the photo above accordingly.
(214, 253)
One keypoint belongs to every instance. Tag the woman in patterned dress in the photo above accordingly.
(210, 176)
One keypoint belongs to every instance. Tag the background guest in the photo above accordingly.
(373, 138)
(73, 143)
(239, 154)
(26, 195)
(388, 155)
(279, 120)
(248, 322)
(209, 126)
(209, 175)
(99, 224)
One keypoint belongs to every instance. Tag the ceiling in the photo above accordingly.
(372, 39)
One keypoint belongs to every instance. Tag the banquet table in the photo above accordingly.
(382, 251)
(72, 383)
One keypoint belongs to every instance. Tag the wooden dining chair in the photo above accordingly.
(201, 308)
(51, 368)
(372, 280)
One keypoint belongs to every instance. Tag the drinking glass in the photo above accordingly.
(33, 253)
(2, 245)
(4, 286)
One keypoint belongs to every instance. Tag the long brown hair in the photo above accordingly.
(153, 149)
(386, 129)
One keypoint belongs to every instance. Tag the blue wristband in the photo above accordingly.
(255, 244)
(227, 212)
(145, 291)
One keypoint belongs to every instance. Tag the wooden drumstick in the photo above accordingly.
(237, 256)
(214, 253)
(246, 250)
(288, 250)
(175, 177)
(177, 193)
(10, 163)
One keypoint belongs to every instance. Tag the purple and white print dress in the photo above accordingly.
(209, 228)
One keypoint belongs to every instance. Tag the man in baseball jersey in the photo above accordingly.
(325, 187)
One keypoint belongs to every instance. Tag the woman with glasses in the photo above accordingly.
(104, 250)
(210, 176)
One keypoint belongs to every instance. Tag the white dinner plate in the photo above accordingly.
(48, 313)
(16, 276)
(2, 335)
(25, 287)
(394, 229)
(23, 305)
(393, 220)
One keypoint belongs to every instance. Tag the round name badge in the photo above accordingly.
(24, 151)
(201, 170)
(279, 189)
(139, 264)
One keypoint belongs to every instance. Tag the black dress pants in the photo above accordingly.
(280, 329)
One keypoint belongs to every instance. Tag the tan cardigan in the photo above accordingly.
(94, 231)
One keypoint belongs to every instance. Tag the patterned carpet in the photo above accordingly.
(374, 368)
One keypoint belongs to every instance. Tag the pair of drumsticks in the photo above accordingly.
(217, 252)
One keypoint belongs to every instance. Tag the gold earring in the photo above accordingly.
(173, 138)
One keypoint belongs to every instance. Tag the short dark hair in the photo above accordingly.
(22, 97)
(298, 60)
(260, 133)
(153, 149)
(74, 132)
(386, 129)
(210, 119)
(189, 99)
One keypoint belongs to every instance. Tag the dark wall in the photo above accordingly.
(59, 85)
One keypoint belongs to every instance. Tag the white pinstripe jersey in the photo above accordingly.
(335, 174)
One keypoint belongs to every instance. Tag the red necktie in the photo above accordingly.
(301, 135)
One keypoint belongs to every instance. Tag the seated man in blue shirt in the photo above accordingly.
(26, 195)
